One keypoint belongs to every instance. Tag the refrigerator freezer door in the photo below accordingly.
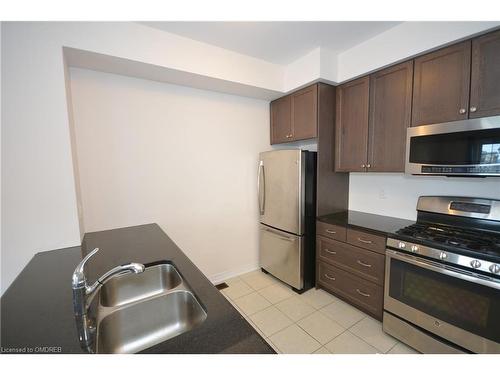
(281, 254)
(281, 190)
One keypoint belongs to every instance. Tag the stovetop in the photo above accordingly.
(470, 242)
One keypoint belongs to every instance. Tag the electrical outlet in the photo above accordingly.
(382, 194)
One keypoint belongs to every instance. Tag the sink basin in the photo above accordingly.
(155, 280)
(142, 325)
(137, 311)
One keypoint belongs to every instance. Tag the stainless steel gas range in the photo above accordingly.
(442, 277)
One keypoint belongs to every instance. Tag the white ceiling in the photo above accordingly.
(277, 42)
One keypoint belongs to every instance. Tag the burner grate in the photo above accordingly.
(463, 238)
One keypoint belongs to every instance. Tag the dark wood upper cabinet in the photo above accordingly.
(441, 85)
(352, 126)
(295, 117)
(485, 76)
(305, 113)
(390, 114)
(281, 120)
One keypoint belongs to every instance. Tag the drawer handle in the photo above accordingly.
(365, 241)
(330, 231)
(362, 293)
(364, 264)
(329, 277)
(330, 251)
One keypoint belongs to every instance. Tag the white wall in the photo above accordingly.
(396, 194)
(401, 42)
(303, 70)
(38, 193)
(181, 157)
(39, 198)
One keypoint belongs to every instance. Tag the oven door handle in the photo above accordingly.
(445, 269)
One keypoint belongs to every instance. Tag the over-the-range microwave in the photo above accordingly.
(459, 148)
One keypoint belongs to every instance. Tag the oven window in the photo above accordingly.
(461, 148)
(473, 307)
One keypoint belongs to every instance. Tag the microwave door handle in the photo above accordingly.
(444, 269)
(261, 187)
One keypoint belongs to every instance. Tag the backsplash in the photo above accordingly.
(396, 194)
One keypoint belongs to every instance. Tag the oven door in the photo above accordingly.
(452, 303)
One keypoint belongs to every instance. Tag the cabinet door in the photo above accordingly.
(485, 79)
(352, 126)
(305, 113)
(441, 85)
(390, 111)
(281, 120)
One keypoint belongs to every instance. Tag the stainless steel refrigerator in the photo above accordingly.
(287, 207)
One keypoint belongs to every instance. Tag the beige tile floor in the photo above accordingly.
(314, 322)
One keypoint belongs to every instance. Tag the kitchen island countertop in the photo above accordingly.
(37, 311)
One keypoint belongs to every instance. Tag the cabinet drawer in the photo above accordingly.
(360, 262)
(335, 232)
(366, 240)
(363, 294)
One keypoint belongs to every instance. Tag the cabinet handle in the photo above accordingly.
(368, 165)
(289, 135)
(363, 166)
(362, 293)
(364, 264)
(365, 241)
(330, 251)
(329, 277)
(462, 111)
(473, 109)
(330, 231)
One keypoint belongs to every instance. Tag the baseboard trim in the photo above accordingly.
(219, 277)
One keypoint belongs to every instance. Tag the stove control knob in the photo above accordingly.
(414, 248)
(401, 245)
(443, 255)
(495, 268)
(475, 263)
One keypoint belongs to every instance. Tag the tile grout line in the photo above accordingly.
(268, 338)
(254, 326)
(304, 317)
(293, 322)
(359, 337)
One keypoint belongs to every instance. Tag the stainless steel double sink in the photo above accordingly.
(137, 311)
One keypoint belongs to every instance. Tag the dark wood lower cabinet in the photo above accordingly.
(335, 232)
(363, 294)
(369, 241)
(351, 269)
(362, 263)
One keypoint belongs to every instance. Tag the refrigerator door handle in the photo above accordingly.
(280, 235)
(261, 187)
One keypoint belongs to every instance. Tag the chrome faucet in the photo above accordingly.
(83, 294)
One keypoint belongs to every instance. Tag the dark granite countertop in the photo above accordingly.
(379, 224)
(37, 311)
